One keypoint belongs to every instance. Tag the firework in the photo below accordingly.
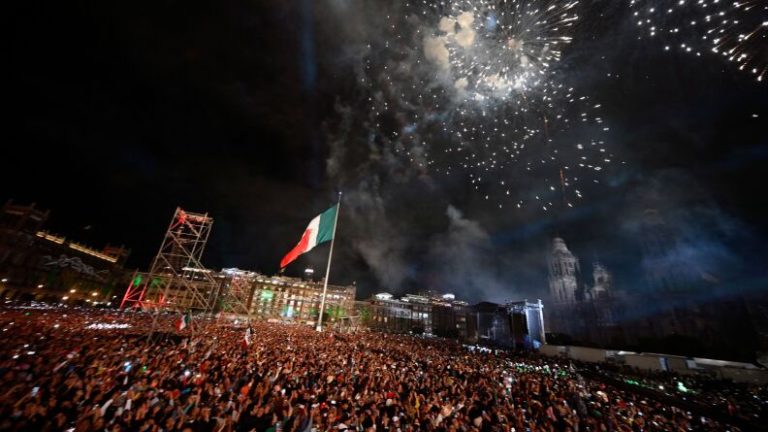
(499, 48)
(470, 90)
(532, 152)
(734, 30)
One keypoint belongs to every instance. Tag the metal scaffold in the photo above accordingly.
(349, 324)
(177, 281)
(237, 291)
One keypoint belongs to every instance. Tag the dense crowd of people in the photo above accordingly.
(746, 401)
(90, 370)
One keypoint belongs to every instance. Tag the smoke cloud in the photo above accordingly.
(436, 51)
(464, 258)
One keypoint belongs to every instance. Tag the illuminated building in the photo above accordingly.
(293, 299)
(514, 325)
(38, 265)
(430, 314)
(563, 274)
(584, 311)
(564, 294)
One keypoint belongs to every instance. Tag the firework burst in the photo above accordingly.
(470, 90)
(734, 30)
(500, 48)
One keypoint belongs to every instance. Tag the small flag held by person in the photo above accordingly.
(184, 321)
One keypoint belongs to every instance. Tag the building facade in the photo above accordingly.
(429, 314)
(602, 283)
(298, 300)
(564, 272)
(563, 315)
(586, 311)
(511, 325)
(38, 265)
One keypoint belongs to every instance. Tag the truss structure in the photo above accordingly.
(350, 324)
(237, 291)
(177, 281)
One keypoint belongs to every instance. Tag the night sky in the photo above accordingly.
(118, 113)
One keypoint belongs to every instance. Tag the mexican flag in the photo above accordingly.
(318, 231)
(183, 322)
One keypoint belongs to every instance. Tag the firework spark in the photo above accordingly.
(736, 30)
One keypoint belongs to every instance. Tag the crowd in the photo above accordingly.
(88, 370)
(742, 400)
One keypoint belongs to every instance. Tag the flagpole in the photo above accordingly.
(328, 268)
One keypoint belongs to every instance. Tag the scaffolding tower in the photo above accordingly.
(349, 324)
(237, 291)
(177, 281)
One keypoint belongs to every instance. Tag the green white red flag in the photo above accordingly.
(319, 230)
(183, 321)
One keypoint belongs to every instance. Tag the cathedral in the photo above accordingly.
(563, 274)
(672, 310)
(584, 311)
